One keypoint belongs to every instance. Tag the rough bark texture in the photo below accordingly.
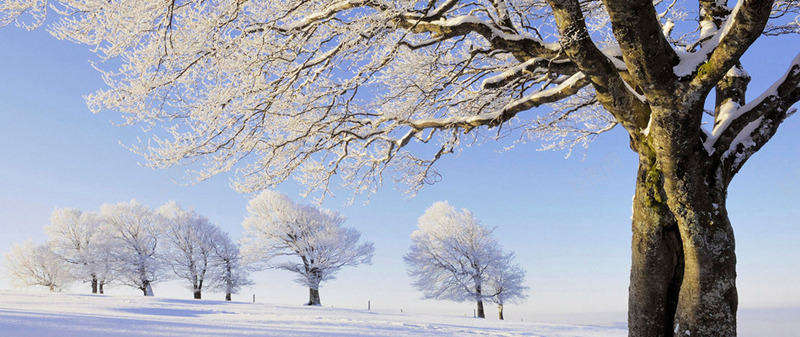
(657, 257)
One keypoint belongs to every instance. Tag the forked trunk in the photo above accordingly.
(313, 297)
(683, 268)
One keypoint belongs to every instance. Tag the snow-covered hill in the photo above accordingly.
(64, 315)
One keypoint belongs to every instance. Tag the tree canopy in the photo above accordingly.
(341, 87)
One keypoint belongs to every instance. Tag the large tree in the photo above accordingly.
(302, 239)
(454, 257)
(135, 232)
(75, 236)
(343, 87)
(190, 245)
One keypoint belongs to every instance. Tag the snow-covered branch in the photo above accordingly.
(741, 131)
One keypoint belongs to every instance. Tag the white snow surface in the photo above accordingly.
(66, 315)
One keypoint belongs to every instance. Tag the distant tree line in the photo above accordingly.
(453, 256)
(130, 244)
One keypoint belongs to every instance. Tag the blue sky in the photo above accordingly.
(568, 220)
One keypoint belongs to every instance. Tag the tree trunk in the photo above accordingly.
(313, 297)
(657, 256)
(94, 284)
(481, 314)
(683, 270)
(100, 288)
(146, 288)
(197, 294)
(227, 296)
(500, 311)
(708, 297)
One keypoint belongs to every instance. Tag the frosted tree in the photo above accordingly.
(302, 239)
(322, 88)
(75, 236)
(452, 255)
(229, 272)
(506, 282)
(135, 232)
(30, 264)
(190, 241)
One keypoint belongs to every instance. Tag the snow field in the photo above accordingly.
(67, 315)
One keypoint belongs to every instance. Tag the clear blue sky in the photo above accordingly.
(568, 220)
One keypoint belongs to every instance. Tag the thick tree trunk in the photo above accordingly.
(94, 284)
(708, 296)
(657, 256)
(197, 294)
(683, 271)
(313, 297)
(227, 296)
(500, 311)
(481, 314)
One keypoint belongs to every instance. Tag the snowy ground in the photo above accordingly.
(67, 315)
(64, 315)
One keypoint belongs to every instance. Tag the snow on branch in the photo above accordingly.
(744, 130)
(29, 14)
(732, 120)
(566, 88)
(743, 26)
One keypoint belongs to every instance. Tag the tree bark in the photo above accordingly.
(500, 311)
(197, 294)
(708, 297)
(100, 288)
(657, 256)
(683, 270)
(313, 297)
(227, 296)
(481, 314)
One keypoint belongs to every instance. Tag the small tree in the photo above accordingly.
(228, 272)
(74, 236)
(190, 241)
(506, 282)
(454, 256)
(29, 264)
(135, 231)
(277, 227)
